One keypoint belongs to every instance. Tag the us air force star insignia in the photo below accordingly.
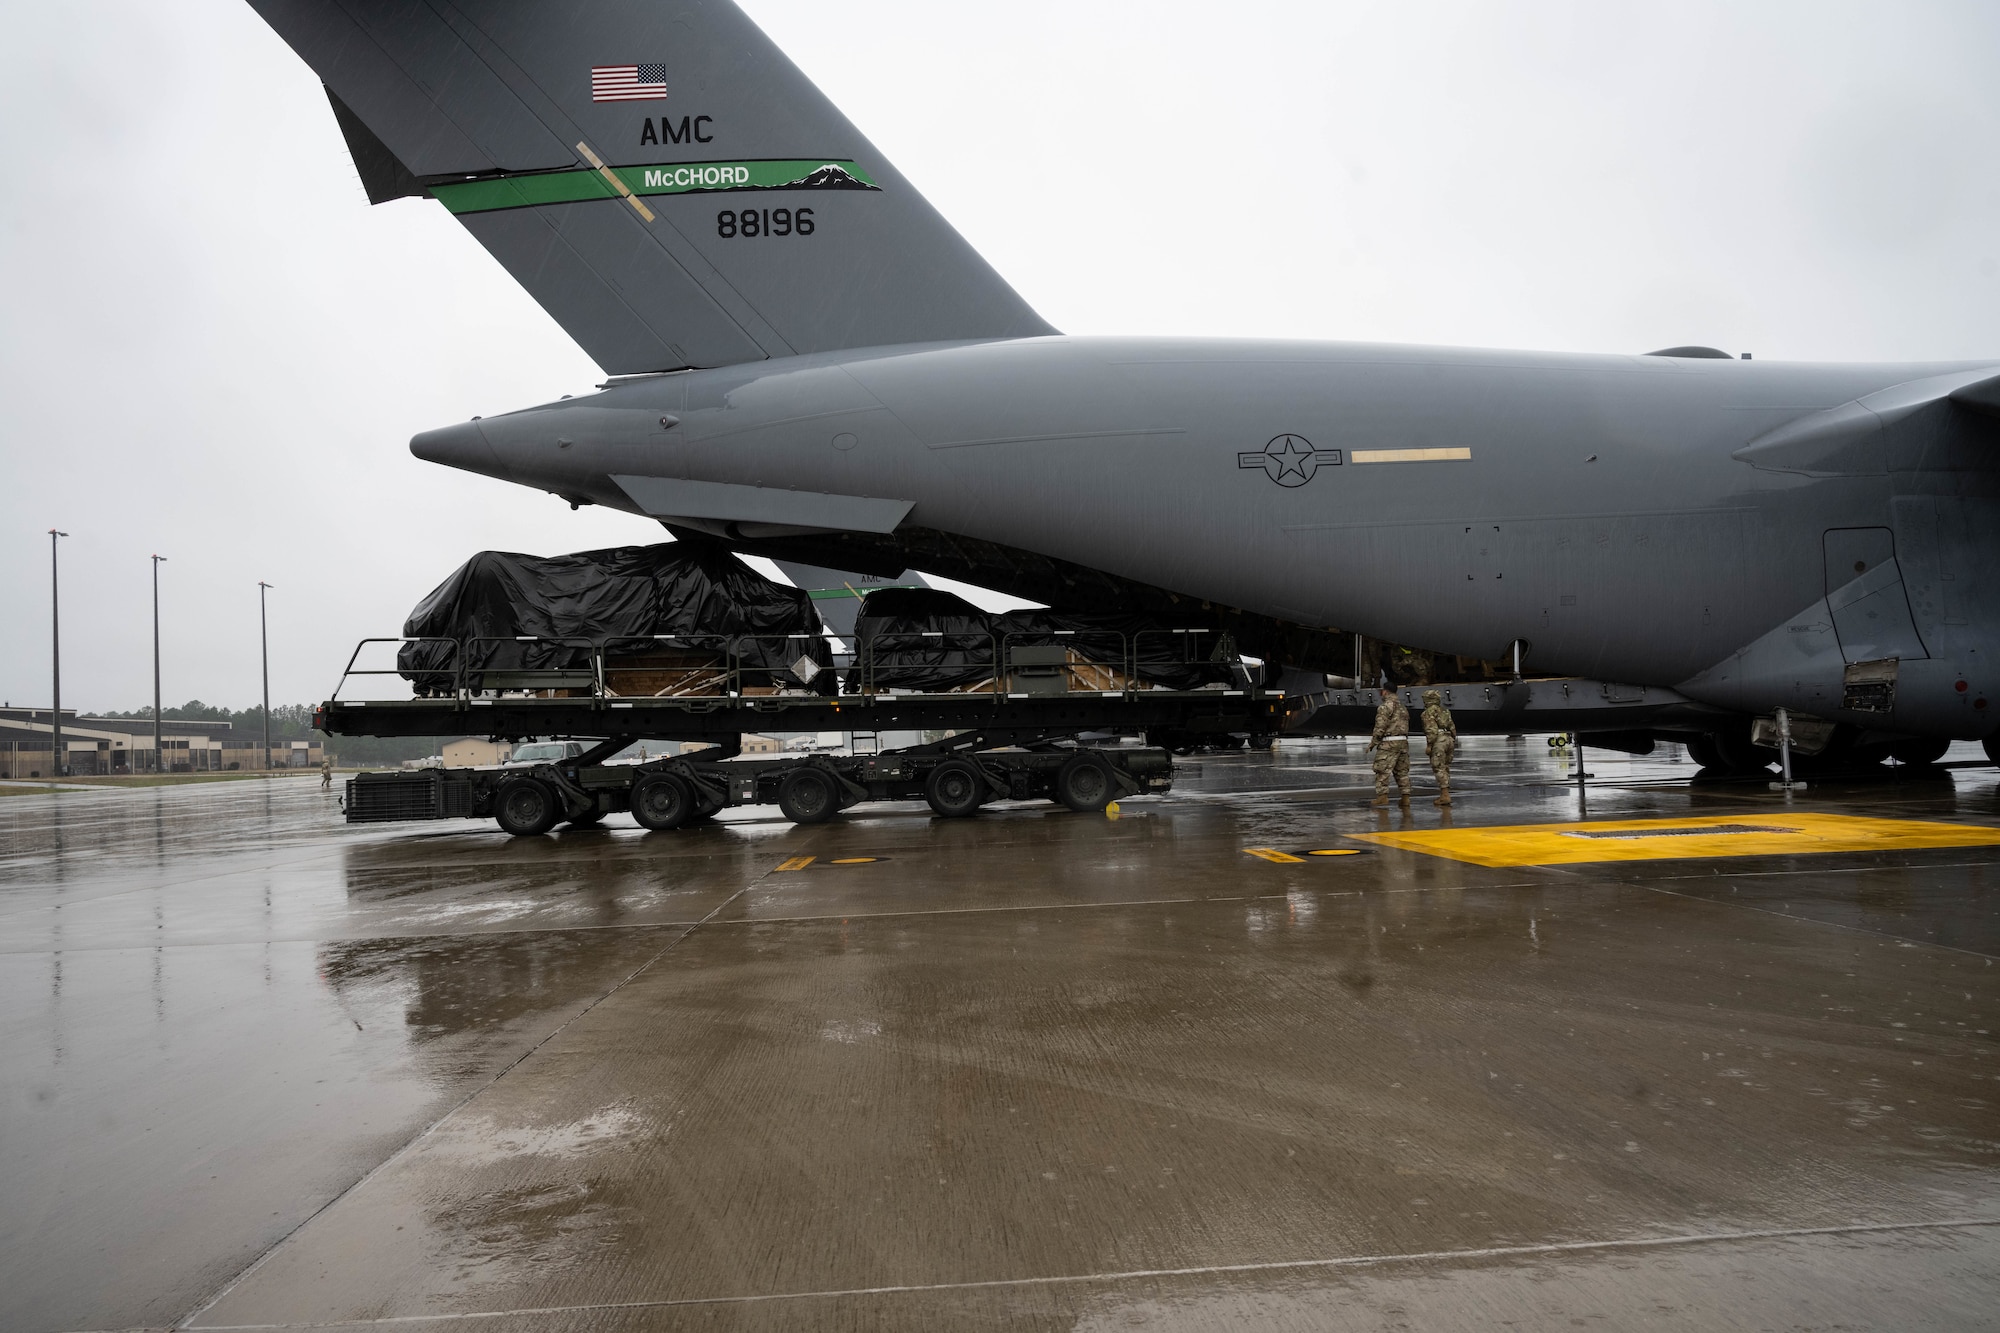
(1290, 460)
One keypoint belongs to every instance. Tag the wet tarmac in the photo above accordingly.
(1035, 1070)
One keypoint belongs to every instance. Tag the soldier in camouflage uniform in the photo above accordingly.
(1391, 744)
(1441, 739)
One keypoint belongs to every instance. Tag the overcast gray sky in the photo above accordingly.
(213, 348)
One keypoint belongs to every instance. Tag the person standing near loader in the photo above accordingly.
(326, 772)
(1441, 740)
(1391, 744)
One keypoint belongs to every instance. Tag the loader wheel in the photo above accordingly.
(956, 788)
(1084, 784)
(661, 802)
(807, 796)
(1992, 744)
(526, 808)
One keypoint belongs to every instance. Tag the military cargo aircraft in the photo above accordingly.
(806, 361)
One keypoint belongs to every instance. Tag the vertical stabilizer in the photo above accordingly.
(658, 176)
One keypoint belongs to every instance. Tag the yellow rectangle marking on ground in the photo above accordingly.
(1273, 854)
(1698, 837)
(1410, 455)
(795, 863)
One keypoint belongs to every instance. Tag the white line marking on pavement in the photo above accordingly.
(1278, 1266)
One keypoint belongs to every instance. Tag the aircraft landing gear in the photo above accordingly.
(1919, 753)
(1729, 752)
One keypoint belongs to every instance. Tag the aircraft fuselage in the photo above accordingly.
(1591, 506)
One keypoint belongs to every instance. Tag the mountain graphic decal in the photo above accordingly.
(832, 176)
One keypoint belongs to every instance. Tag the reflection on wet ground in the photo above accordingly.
(1031, 1070)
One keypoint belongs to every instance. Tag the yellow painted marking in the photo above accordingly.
(1460, 455)
(853, 860)
(1334, 851)
(1273, 854)
(616, 184)
(1698, 837)
(795, 863)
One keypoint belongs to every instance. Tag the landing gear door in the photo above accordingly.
(1864, 591)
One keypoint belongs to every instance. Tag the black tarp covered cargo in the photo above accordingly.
(921, 639)
(926, 640)
(708, 601)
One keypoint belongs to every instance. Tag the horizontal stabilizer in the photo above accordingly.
(836, 593)
(669, 187)
(382, 175)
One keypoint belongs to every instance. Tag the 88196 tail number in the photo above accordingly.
(731, 223)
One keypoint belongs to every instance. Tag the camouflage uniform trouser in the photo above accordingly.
(1441, 751)
(1392, 761)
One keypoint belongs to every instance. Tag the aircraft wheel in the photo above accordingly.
(1084, 784)
(1734, 752)
(1701, 749)
(1919, 752)
(955, 788)
(662, 802)
(807, 796)
(1849, 761)
(526, 808)
(1842, 757)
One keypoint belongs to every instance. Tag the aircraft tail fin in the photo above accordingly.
(669, 187)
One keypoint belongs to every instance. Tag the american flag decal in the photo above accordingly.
(628, 83)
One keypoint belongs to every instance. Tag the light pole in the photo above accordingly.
(264, 645)
(56, 755)
(157, 751)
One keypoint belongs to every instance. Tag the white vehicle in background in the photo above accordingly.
(543, 752)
